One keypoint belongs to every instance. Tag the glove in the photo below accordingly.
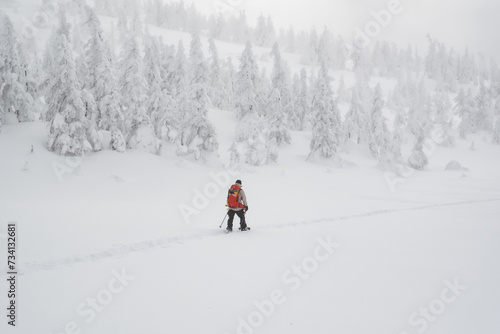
(246, 208)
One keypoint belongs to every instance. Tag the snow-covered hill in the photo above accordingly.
(401, 244)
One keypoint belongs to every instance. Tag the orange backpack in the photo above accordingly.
(233, 197)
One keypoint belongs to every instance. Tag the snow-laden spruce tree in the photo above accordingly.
(419, 124)
(418, 160)
(280, 79)
(246, 78)
(279, 104)
(198, 137)
(496, 110)
(152, 63)
(325, 48)
(379, 134)
(299, 104)
(101, 83)
(68, 126)
(216, 86)
(303, 102)
(198, 68)
(443, 119)
(91, 114)
(139, 131)
(14, 94)
(50, 59)
(161, 106)
(484, 109)
(261, 34)
(249, 145)
(112, 119)
(356, 120)
(326, 119)
(179, 71)
(465, 108)
(167, 58)
(277, 132)
(228, 83)
(163, 115)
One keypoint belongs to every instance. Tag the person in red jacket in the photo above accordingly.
(237, 205)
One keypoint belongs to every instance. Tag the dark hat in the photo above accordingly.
(238, 182)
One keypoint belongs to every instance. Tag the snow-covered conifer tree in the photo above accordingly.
(280, 102)
(260, 34)
(379, 134)
(418, 160)
(152, 63)
(431, 64)
(484, 109)
(102, 84)
(179, 72)
(303, 104)
(326, 120)
(298, 112)
(160, 103)
(112, 120)
(91, 115)
(14, 96)
(198, 67)
(228, 83)
(325, 48)
(246, 78)
(277, 133)
(271, 32)
(215, 89)
(198, 135)
(249, 144)
(442, 105)
(139, 130)
(464, 106)
(356, 120)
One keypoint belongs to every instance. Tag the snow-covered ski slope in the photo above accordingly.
(129, 243)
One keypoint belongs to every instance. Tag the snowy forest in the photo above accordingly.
(117, 86)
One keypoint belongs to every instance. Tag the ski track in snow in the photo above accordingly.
(124, 250)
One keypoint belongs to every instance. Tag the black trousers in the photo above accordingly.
(240, 214)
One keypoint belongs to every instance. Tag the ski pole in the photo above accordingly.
(223, 220)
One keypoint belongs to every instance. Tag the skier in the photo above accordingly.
(237, 204)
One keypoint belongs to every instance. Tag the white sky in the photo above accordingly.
(457, 23)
